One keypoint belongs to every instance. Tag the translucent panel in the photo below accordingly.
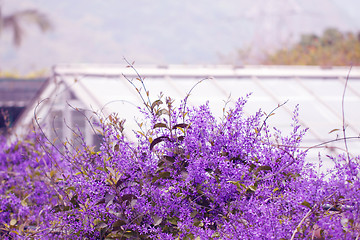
(352, 112)
(335, 105)
(354, 86)
(354, 147)
(207, 90)
(285, 88)
(312, 111)
(111, 89)
(184, 85)
(324, 87)
(102, 94)
(158, 85)
(266, 106)
(239, 88)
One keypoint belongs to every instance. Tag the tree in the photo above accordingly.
(332, 48)
(15, 21)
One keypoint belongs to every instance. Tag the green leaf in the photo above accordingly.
(24, 203)
(165, 111)
(72, 189)
(322, 233)
(52, 173)
(154, 179)
(252, 167)
(74, 201)
(215, 234)
(224, 154)
(169, 159)
(157, 220)
(189, 236)
(101, 169)
(173, 220)
(61, 208)
(156, 103)
(253, 188)
(118, 224)
(130, 234)
(121, 181)
(239, 186)
(193, 214)
(13, 222)
(334, 130)
(198, 223)
(100, 225)
(141, 133)
(263, 168)
(181, 138)
(133, 203)
(162, 111)
(306, 204)
(164, 174)
(111, 170)
(160, 166)
(109, 198)
(157, 140)
(160, 125)
(100, 201)
(116, 147)
(181, 125)
(128, 197)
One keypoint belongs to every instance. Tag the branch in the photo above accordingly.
(270, 114)
(148, 105)
(343, 115)
(301, 222)
(188, 95)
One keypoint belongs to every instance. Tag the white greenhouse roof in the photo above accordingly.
(318, 92)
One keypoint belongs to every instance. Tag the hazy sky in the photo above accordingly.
(166, 32)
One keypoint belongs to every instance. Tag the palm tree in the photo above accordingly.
(15, 21)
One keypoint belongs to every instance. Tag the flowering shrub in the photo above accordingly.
(189, 176)
(27, 191)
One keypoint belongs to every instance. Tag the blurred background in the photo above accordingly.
(36, 34)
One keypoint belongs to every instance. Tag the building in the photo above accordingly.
(76, 91)
(15, 95)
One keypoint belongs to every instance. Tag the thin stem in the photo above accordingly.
(43, 133)
(301, 222)
(270, 114)
(343, 115)
(188, 94)
(148, 105)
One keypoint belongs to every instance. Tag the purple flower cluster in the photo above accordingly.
(189, 176)
(27, 190)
